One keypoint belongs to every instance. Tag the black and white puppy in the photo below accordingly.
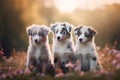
(38, 54)
(63, 47)
(86, 48)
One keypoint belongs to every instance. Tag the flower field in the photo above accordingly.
(12, 68)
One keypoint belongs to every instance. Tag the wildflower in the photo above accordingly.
(9, 75)
(3, 76)
(104, 72)
(82, 73)
(117, 56)
(117, 66)
(14, 73)
(114, 62)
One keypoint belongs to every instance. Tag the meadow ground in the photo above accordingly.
(12, 68)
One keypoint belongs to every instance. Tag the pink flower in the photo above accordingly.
(10, 75)
(117, 56)
(114, 62)
(9, 68)
(104, 72)
(77, 68)
(82, 73)
(3, 76)
(27, 71)
(118, 66)
(21, 72)
(14, 73)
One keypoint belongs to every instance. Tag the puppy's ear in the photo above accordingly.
(92, 31)
(46, 30)
(53, 26)
(68, 26)
(29, 30)
(76, 31)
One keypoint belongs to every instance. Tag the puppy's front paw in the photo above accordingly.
(69, 65)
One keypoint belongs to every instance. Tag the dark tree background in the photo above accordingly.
(11, 26)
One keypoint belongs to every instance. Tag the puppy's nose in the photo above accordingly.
(80, 39)
(36, 41)
(58, 38)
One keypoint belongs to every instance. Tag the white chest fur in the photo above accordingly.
(63, 48)
(34, 51)
(37, 53)
(85, 49)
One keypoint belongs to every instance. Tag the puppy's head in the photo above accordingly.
(62, 31)
(84, 33)
(37, 33)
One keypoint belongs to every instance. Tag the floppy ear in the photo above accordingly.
(46, 30)
(53, 26)
(68, 26)
(92, 31)
(29, 31)
(76, 31)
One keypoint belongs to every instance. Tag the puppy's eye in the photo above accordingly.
(63, 32)
(40, 34)
(86, 34)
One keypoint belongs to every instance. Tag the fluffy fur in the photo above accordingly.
(86, 49)
(62, 44)
(38, 54)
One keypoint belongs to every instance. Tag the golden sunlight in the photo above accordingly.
(70, 5)
(65, 5)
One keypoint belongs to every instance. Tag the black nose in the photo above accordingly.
(58, 38)
(36, 41)
(80, 39)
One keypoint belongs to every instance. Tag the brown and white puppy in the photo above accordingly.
(86, 48)
(62, 44)
(38, 53)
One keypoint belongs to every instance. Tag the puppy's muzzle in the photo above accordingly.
(58, 38)
(80, 40)
(36, 41)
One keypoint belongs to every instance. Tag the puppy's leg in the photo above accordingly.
(99, 66)
(77, 66)
(85, 63)
(27, 62)
(92, 62)
(44, 67)
(78, 62)
(57, 63)
(30, 64)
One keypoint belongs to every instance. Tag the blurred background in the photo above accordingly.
(16, 15)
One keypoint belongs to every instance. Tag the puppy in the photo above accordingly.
(62, 45)
(38, 53)
(86, 48)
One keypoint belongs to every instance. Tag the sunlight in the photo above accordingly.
(70, 5)
(65, 5)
